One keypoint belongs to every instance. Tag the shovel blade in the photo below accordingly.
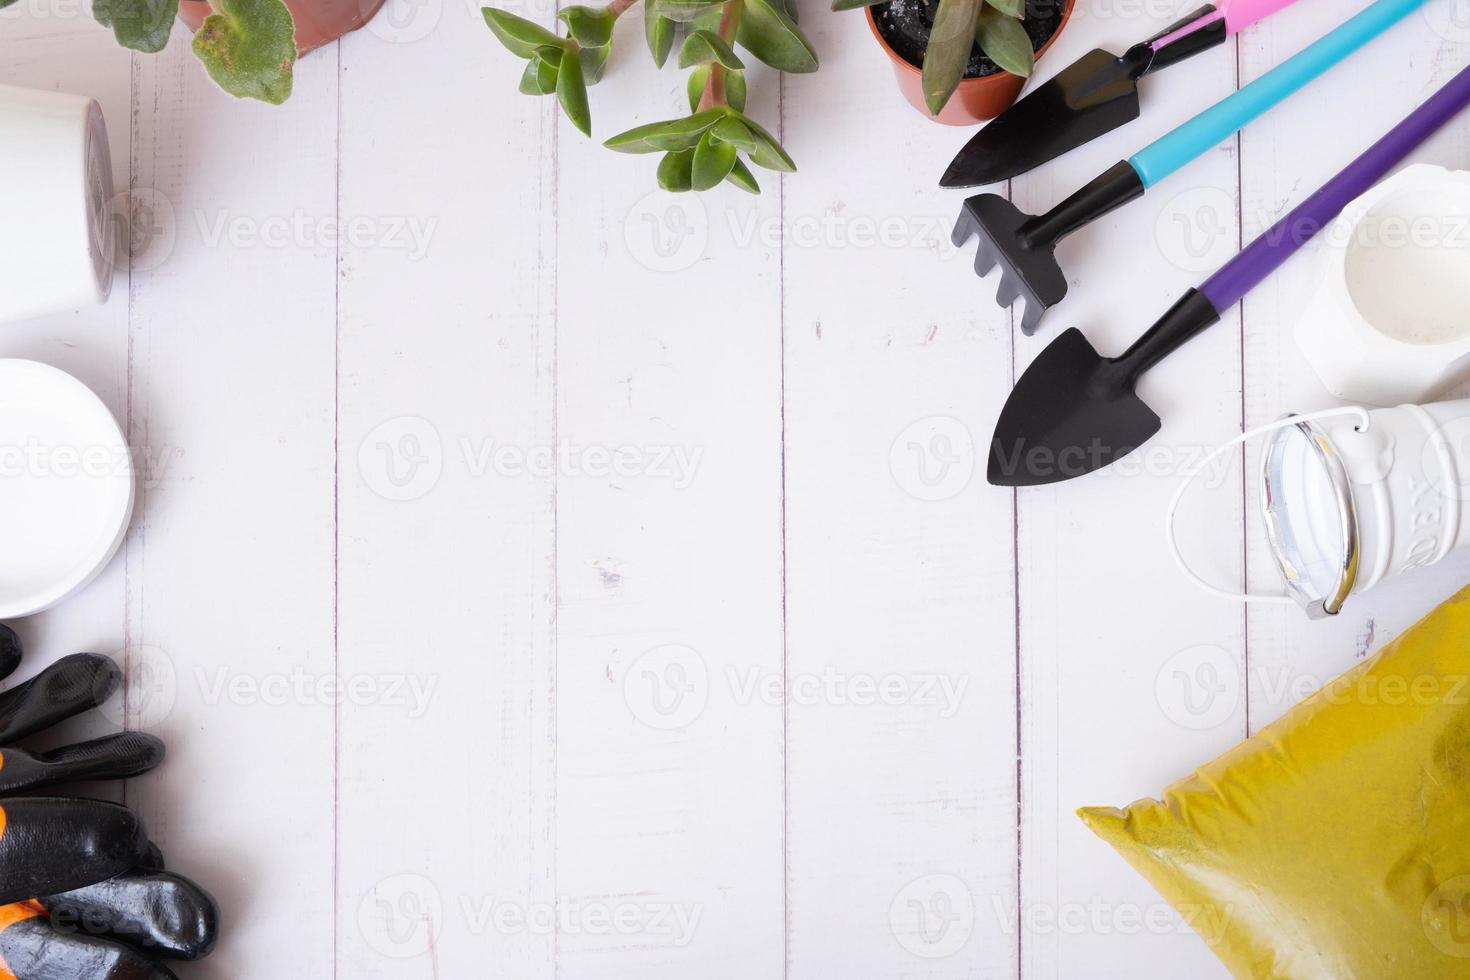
(1094, 96)
(1071, 413)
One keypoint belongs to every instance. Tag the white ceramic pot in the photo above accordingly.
(56, 241)
(1390, 322)
(66, 487)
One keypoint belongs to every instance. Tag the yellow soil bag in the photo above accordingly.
(1335, 844)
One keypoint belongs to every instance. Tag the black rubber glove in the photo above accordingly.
(83, 894)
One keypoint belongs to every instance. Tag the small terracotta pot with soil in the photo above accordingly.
(318, 22)
(902, 29)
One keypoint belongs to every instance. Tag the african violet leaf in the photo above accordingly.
(675, 171)
(685, 11)
(769, 33)
(249, 48)
(591, 26)
(142, 25)
(1011, 8)
(571, 91)
(704, 47)
(713, 162)
(659, 31)
(949, 50)
(1005, 41)
(522, 37)
(742, 178)
(669, 134)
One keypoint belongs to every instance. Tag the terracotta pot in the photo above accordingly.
(977, 99)
(318, 22)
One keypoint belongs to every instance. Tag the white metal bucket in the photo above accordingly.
(1352, 497)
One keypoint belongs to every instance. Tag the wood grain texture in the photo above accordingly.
(642, 540)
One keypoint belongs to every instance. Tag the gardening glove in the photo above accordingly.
(83, 893)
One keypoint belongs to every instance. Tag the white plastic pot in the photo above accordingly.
(66, 487)
(56, 241)
(1390, 322)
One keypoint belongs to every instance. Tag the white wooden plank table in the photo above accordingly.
(553, 577)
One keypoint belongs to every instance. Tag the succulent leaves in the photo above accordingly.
(716, 143)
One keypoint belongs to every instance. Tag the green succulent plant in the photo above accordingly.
(717, 142)
(247, 46)
(995, 25)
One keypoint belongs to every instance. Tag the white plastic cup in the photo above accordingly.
(56, 240)
(1352, 497)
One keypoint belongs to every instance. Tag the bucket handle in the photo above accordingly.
(1364, 421)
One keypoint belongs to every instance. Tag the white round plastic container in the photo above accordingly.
(66, 487)
(1390, 322)
(56, 238)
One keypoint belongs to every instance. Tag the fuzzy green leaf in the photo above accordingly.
(591, 27)
(769, 33)
(732, 130)
(1011, 8)
(571, 91)
(685, 11)
(742, 178)
(659, 32)
(249, 48)
(949, 50)
(675, 171)
(768, 153)
(669, 134)
(520, 36)
(713, 162)
(142, 25)
(1005, 41)
(539, 77)
(706, 47)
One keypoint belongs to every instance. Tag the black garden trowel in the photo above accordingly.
(1094, 96)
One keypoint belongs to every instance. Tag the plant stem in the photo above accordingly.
(617, 7)
(714, 89)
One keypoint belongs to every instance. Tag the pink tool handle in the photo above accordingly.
(1240, 14)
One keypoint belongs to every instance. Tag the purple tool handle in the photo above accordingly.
(1267, 253)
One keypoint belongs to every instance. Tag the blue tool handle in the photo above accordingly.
(1211, 127)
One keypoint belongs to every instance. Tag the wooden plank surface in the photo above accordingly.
(642, 542)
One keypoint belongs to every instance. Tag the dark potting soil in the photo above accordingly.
(905, 25)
